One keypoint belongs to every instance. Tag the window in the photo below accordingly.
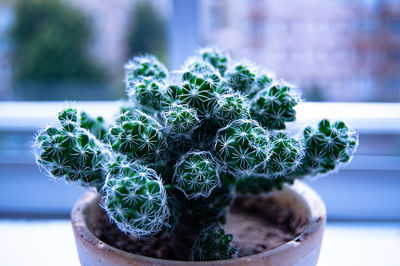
(332, 51)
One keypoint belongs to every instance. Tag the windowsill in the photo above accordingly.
(51, 243)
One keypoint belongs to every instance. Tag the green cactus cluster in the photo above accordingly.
(196, 174)
(138, 136)
(144, 66)
(213, 244)
(71, 153)
(187, 142)
(181, 120)
(136, 200)
(274, 105)
(328, 147)
(242, 147)
(217, 58)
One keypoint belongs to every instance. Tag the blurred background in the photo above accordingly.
(338, 51)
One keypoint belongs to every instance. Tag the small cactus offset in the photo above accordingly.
(138, 136)
(148, 92)
(327, 148)
(241, 77)
(186, 142)
(196, 174)
(181, 120)
(136, 200)
(144, 66)
(274, 106)
(213, 244)
(217, 58)
(71, 152)
(242, 146)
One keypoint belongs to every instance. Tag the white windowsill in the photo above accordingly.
(364, 117)
(51, 243)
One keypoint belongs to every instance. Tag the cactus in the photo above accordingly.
(136, 200)
(217, 58)
(241, 77)
(196, 174)
(213, 244)
(327, 148)
(147, 92)
(232, 107)
(138, 136)
(181, 120)
(286, 156)
(71, 152)
(274, 106)
(186, 143)
(242, 146)
(144, 66)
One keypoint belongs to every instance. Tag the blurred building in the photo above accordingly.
(334, 50)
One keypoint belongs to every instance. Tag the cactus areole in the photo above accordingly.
(186, 142)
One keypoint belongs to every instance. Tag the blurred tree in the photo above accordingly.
(147, 31)
(50, 40)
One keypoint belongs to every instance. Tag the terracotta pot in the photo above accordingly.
(303, 250)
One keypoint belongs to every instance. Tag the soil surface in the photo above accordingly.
(257, 226)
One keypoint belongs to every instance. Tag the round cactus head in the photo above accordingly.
(181, 120)
(196, 174)
(231, 107)
(274, 106)
(71, 152)
(144, 66)
(135, 199)
(213, 244)
(216, 57)
(241, 77)
(327, 147)
(138, 136)
(286, 155)
(148, 92)
(242, 146)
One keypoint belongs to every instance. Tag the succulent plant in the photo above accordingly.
(213, 244)
(241, 77)
(181, 120)
(144, 66)
(242, 146)
(71, 152)
(196, 174)
(136, 200)
(274, 106)
(138, 136)
(147, 92)
(182, 147)
(217, 58)
(327, 148)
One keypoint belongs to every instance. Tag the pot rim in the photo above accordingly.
(302, 191)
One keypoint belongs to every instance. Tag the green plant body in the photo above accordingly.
(213, 244)
(187, 142)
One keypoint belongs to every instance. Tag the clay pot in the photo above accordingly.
(303, 250)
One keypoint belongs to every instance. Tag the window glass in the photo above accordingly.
(75, 50)
(334, 50)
